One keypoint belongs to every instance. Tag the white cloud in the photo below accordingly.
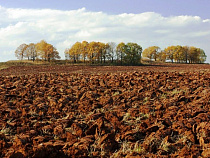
(64, 28)
(206, 20)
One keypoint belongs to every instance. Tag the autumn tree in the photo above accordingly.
(186, 52)
(193, 55)
(170, 53)
(55, 55)
(41, 48)
(72, 54)
(202, 56)
(146, 53)
(161, 56)
(20, 52)
(84, 50)
(46, 51)
(151, 52)
(31, 52)
(76, 51)
(179, 53)
(121, 52)
(101, 52)
(93, 51)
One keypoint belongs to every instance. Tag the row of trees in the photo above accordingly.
(121, 54)
(180, 54)
(41, 50)
(98, 52)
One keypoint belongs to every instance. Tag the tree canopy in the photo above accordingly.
(100, 53)
(151, 52)
(178, 54)
(41, 50)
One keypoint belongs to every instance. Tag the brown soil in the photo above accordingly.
(91, 111)
(36, 69)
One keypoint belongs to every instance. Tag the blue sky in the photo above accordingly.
(63, 22)
(164, 7)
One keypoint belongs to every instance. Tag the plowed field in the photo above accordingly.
(36, 69)
(90, 111)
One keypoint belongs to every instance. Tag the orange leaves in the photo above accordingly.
(151, 52)
(46, 51)
(33, 51)
(185, 54)
(94, 51)
(180, 54)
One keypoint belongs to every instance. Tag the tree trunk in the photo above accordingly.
(84, 59)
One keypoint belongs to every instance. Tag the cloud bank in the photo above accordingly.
(64, 28)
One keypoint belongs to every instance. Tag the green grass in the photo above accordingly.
(4, 65)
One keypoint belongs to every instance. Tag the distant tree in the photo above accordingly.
(101, 52)
(93, 50)
(133, 54)
(202, 56)
(193, 55)
(151, 52)
(72, 54)
(121, 52)
(161, 56)
(41, 49)
(20, 52)
(186, 53)
(170, 53)
(130, 53)
(55, 55)
(179, 53)
(31, 52)
(76, 51)
(46, 51)
(110, 51)
(84, 50)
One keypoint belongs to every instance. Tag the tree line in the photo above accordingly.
(179, 54)
(100, 53)
(111, 53)
(41, 50)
